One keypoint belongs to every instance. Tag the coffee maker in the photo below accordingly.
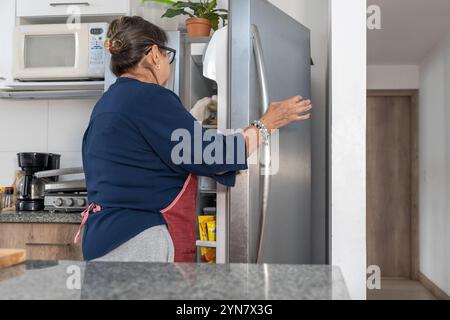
(31, 189)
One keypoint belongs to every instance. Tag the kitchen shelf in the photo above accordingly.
(52, 90)
(204, 191)
(62, 94)
(208, 126)
(198, 48)
(206, 244)
(55, 85)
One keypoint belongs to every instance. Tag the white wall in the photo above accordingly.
(348, 145)
(36, 125)
(392, 77)
(41, 126)
(434, 161)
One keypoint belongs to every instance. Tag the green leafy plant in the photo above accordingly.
(206, 9)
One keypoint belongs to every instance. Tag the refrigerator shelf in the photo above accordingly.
(207, 126)
(208, 192)
(206, 244)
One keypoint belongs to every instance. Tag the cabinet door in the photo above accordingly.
(42, 241)
(7, 17)
(48, 8)
(53, 242)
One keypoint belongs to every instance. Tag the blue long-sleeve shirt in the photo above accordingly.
(135, 165)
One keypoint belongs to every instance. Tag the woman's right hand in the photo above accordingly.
(283, 113)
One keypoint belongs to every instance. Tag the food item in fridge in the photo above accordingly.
(200, 111)
(203, 227)
(208, 254)
(211, 227)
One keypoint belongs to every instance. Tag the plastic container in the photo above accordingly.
(2, 192)
(211, 228)
(8, 195)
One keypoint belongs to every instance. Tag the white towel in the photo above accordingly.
(200, 111)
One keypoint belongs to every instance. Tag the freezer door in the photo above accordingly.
(270, 60)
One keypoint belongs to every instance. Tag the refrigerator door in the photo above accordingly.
(270, 60)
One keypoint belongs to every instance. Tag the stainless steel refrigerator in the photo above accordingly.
(269, 60)
(266, 58)
(262, 56)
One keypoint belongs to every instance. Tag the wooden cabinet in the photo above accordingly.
(42, 241)
(61, 8)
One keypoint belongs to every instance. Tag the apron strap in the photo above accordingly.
(85, 214)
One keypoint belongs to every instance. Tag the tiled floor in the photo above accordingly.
(399, 289)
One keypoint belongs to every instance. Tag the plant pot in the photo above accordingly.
(198, 27)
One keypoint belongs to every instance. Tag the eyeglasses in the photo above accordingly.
(171, 53)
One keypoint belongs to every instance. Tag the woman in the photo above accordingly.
(143, 201)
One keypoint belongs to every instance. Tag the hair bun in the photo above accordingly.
(128, 40)
(114, 46)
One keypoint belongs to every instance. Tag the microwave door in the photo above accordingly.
(51, 52)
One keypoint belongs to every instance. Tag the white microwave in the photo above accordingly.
(58, 52)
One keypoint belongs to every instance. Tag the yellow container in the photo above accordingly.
(205, 232)
(203, 226)
(211, 227)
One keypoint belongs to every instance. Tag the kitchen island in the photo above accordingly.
(71, 280)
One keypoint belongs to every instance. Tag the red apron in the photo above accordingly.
(180, 216)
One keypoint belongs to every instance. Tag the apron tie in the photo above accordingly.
(85, 214)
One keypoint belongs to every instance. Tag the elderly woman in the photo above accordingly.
(142, 200)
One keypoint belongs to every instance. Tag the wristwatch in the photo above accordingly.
(262, 128)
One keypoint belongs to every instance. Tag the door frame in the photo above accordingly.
(414, 134)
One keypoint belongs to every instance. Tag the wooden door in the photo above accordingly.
(389, 184)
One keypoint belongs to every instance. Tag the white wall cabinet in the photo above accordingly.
(7, 14)
(61, 8)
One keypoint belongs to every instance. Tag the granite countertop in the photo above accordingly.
(106, 280)
(40, 217)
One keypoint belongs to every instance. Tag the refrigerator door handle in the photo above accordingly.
(265, 164)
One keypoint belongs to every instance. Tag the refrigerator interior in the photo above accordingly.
(193, 87)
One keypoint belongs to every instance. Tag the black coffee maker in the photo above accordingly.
(31, 189)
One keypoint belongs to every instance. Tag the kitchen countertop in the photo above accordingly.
(40, 217)
(106, 280)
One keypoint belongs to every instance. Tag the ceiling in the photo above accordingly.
(410, 28)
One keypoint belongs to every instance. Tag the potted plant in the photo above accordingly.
(203, 15)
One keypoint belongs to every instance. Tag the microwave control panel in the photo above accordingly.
(97, 37)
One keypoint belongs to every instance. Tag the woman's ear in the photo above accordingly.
(155, 54)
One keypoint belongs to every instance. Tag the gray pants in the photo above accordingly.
(151, 245)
